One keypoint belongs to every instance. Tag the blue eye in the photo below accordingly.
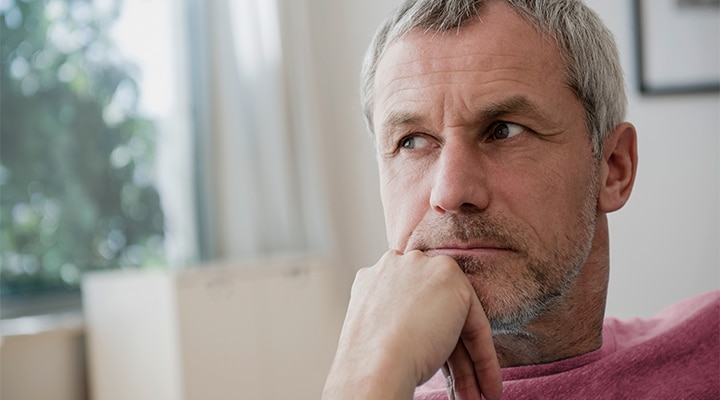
(505, 130)
(413, 142)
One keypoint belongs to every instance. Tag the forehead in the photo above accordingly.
(498, 54)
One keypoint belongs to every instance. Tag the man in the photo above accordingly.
(501, 147)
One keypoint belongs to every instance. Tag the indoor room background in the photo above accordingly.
(229, 139)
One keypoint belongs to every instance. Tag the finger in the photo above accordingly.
(476, 338)
(462, 373)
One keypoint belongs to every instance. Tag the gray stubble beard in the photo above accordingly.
(528, 306)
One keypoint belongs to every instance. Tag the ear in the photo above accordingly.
(618, 168)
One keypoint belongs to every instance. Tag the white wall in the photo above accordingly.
(664, 243)
(340, 33)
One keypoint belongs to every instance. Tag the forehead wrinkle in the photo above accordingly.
(475, 63)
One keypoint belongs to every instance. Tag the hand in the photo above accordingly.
(409, 315)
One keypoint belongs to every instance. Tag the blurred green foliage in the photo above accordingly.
(76, 159)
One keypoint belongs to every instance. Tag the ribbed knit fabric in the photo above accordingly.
(674, 355)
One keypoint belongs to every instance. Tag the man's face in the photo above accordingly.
(484, 156)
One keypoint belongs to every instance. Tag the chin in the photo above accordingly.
(511, 300)
(510, 314)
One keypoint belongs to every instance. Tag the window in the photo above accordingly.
(95, 155)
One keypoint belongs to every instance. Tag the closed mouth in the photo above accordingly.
(465, 250)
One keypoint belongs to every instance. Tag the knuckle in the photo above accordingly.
(360, 272)
(415, 254)
(446, 267)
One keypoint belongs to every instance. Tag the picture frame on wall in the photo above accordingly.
(678, 46)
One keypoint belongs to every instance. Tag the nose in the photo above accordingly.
(460, 183)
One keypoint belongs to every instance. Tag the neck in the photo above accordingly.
(572, 324)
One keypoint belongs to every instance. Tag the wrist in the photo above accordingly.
(378, 374)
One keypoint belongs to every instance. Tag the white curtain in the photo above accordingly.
(265, 195)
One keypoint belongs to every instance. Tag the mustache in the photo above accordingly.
(435, 232)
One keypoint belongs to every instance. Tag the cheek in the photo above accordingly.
(405, 198)
(548, 194)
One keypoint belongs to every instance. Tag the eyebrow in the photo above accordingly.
(400, 118)
(513, 105)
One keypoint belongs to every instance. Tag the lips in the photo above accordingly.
(470, 245)
(467, 235)
(468, 250)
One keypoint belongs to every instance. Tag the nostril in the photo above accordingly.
(468, 208)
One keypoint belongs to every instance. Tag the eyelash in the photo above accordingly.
(492, 130)
(489, 134)
(402, 143)
(404, 140)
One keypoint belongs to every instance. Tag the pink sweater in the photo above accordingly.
(674, 355)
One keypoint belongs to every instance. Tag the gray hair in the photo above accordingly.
(592, 64)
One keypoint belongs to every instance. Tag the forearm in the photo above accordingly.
(369, 374)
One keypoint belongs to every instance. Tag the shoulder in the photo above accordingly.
(695, 317)
(698, 304)
(677, 350)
